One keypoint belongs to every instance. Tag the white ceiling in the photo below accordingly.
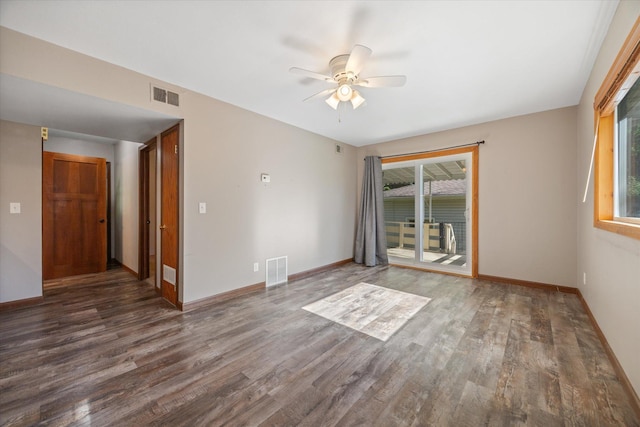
(466, 62)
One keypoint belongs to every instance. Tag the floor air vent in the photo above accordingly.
(276, 271)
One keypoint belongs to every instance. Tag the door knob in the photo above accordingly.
(162, 227)
(101, 220)
(148, 222)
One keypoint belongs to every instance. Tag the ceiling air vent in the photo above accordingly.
(165, 96)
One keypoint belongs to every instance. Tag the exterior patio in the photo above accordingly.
(428, 256)
(444, 227)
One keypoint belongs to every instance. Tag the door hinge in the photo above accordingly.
(175, 149)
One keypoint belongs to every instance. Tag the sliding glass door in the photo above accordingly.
(429, 213)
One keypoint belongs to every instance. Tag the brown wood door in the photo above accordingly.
(74, 214)
(169, 214)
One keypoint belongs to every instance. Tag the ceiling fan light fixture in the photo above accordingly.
(356, 99)
(344, 92)
(345, 72)
(333, 101)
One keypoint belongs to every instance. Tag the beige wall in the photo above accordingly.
(306, 212)
(57, 144)
(611, 262)
(20, 234)
(23, 57)
(527, 188)
(126, 204)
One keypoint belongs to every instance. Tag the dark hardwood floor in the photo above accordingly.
(105, 350)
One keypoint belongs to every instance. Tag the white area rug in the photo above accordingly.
(376, 311)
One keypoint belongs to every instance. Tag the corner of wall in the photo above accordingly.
(20, 233)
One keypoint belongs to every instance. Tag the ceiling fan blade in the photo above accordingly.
(382, 81)
(358, 56)
(320, 94)
(312, 74)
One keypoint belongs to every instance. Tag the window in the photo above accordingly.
(627, 157)
(617, 160)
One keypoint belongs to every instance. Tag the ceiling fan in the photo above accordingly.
(345, 73)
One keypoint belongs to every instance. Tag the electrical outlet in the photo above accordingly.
(256, 267)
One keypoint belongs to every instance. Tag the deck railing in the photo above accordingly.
(403, 235)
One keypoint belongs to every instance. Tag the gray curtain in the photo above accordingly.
(371, 238)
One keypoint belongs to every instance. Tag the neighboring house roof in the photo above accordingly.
(452, 187)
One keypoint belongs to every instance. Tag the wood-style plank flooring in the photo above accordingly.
(105, 350)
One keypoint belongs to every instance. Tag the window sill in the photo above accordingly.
(624, 228)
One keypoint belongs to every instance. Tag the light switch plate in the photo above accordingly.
(14, 208)
(202, 207)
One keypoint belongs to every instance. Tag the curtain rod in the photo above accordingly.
(432, 151)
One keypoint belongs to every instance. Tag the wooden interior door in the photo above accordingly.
(74, 214)
(109, 231)
(169, 141)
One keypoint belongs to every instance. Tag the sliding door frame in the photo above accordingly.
(474, 195)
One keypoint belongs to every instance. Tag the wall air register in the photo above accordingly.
(165, 96)
(276, 271)
(169, 274)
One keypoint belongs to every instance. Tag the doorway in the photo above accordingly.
(159, 213)
(74, 215)
(430, 209)
(147, 270)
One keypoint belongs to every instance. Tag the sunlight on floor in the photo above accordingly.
(376, 311)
